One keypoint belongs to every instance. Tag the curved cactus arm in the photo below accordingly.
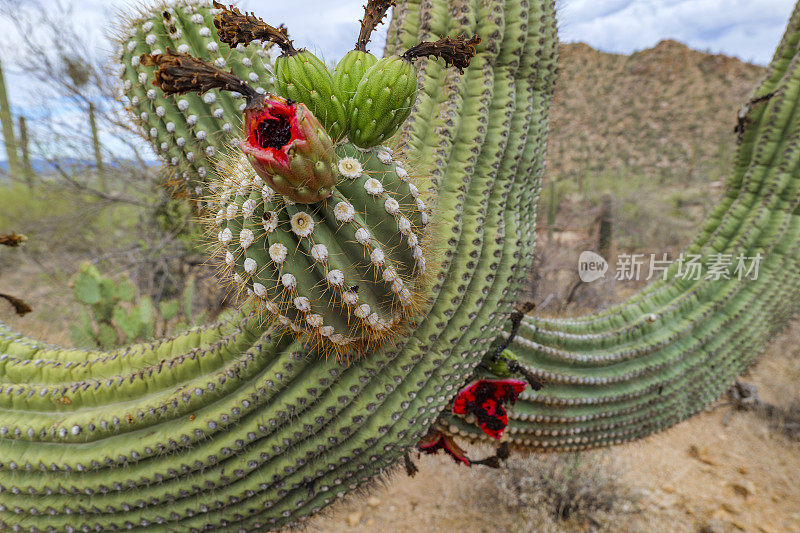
(674, 348)
(233, 428)
(187, 131)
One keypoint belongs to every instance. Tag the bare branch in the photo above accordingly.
(457, 52)
(20, 307)
(374, 12)
(235, 28)
(13, 240)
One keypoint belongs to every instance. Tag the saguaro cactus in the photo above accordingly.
(234, 427)
(24, 146)
(7, 122)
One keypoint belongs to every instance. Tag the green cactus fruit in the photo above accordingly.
(500, 365)
(345, 273)
(382, 101)
(289, 149)
(186, 130)
(348, 73)
(303, 77)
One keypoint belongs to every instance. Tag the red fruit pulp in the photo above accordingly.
(271, 130)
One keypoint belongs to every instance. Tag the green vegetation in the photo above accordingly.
(114, 316)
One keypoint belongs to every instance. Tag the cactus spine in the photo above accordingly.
(7, 122)
(233, 427)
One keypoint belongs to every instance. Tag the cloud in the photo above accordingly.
(743, 28)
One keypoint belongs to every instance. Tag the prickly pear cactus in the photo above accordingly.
(237, 427)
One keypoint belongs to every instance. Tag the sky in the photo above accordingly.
(748, 29)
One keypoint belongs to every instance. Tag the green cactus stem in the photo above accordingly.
(27, 168)
(7, 123)
(186, 131)
(96, 146)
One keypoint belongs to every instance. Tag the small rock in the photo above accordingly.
(712, 525)
(372, 501)
(721, 515)
(743, 488)
(702, 455)
(669, 489)
(742, 470)
(353, 519)
(370, 522)
(730, 508)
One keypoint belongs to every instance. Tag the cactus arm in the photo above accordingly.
(97, 148)
(674, 348)
(186, 131)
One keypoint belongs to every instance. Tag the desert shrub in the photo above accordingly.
(553, 492)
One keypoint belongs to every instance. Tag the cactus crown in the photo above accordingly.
(342, 274)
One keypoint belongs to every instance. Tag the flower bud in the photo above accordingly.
(302, 77)
(382, 101)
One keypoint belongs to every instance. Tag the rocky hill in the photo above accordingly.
(666, 113)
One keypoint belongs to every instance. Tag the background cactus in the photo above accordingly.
(113, 316)
(232, 427)
(7, 123)
(24, 146)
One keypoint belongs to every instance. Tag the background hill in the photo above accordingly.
(666, 113)
(653, 132)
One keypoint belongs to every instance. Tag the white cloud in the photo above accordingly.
(744, 28)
